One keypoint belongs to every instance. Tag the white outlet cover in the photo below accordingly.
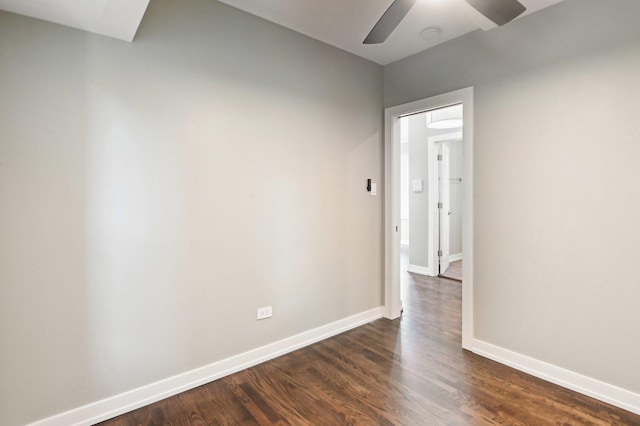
(265, 312)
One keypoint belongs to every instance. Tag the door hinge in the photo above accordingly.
(439, 157)
(439, 205)
(439, 253)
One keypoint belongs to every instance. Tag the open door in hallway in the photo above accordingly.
(450, 164)
(444, 206)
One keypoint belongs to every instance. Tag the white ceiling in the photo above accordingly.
(341, 23)
(345, 23)
(114, 18)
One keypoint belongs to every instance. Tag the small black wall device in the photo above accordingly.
(368, 185)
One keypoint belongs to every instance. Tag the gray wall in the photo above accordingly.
(418, 201)
(557, 166)
(154, 194)
(405, 191)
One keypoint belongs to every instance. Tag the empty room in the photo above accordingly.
(319, 212)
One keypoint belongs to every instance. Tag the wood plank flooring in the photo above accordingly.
(410, 371)
(454, 271)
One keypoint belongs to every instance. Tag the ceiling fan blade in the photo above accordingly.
(499, 11)
(389, 21)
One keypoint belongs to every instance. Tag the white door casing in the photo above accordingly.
(392, 302)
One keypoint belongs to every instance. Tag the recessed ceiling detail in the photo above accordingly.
(430, 34)
(344, 24)
(113, 18)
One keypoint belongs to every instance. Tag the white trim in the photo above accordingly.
(404, 243)
(455, 257)
(393, 304)
(432, 210)
(145, 395)
(392, 151)
(422, 270)
(602, 391)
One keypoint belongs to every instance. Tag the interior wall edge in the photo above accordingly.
(585, 385)
(128, 401)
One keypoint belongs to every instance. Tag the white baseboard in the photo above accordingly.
(455, 257)
(420, 270)
(145, 395)
(602, 391)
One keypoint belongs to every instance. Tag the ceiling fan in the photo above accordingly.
(499, 11)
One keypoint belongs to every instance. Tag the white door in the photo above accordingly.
(444, 205)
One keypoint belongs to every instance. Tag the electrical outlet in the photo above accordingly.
(265, 312)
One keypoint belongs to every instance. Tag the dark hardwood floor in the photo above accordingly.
(411, 371)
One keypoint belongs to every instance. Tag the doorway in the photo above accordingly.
(439, 145)
(431, 169)
(449, 169)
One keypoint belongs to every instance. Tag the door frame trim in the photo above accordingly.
(392, 301)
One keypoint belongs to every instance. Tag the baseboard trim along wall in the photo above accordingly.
(145, 395)
(455, 257)
(420, 270)
(602, 391)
